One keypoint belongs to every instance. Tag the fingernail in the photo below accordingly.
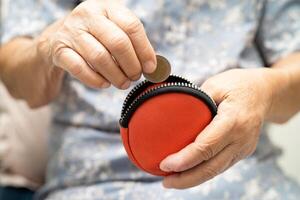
(105, 85)
(165, 167)
(126, 85)
(149, 67)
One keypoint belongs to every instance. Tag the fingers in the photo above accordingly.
(69, 60)
(204, 171)
(133, 27)
(213, 139)
(101, 60)
(109, 39)
(119, 45)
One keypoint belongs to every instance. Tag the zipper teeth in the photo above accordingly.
(138, 86)
(171, 84)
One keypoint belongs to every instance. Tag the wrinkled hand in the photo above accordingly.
(243, 97)
(100, 43)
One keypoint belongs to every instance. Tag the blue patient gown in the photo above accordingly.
(200, 38)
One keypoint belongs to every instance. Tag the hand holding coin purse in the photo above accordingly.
(159, 119)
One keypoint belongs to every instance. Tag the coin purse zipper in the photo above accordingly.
(137, 97)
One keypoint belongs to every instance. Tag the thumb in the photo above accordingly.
(213, 139)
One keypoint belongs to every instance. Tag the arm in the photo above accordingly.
(26, 75)
(99, 42)
(286, 101)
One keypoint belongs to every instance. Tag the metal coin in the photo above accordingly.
(162, 71)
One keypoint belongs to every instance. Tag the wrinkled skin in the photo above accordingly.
(100, 43)
(244, 97)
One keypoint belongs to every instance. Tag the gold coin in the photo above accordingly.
(162, 71)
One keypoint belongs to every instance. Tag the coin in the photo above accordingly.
(162, 71)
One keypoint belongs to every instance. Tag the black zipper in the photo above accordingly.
(174, 83)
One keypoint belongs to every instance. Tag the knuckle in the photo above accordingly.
(120, 43)
(134, 26)
(205, 150)
(210, 84)
(235, 158)
(77, 35)
(42, 44)
(97, 84)
(147, 53)
(75, 69)
(135, 76)
(56, 47)
(81, 10)
(57, 42)
(210, 171)
(119, 83)
(100, 56)
(57, 53)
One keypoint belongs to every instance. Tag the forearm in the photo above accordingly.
(25, 73)
(286, 89)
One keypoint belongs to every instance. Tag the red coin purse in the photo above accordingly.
(160, 119)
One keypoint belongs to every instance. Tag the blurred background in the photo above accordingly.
(287, 136)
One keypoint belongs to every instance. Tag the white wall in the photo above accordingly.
(287, 136)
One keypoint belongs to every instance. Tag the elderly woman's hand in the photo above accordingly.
(101, 43)
(244, 97)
